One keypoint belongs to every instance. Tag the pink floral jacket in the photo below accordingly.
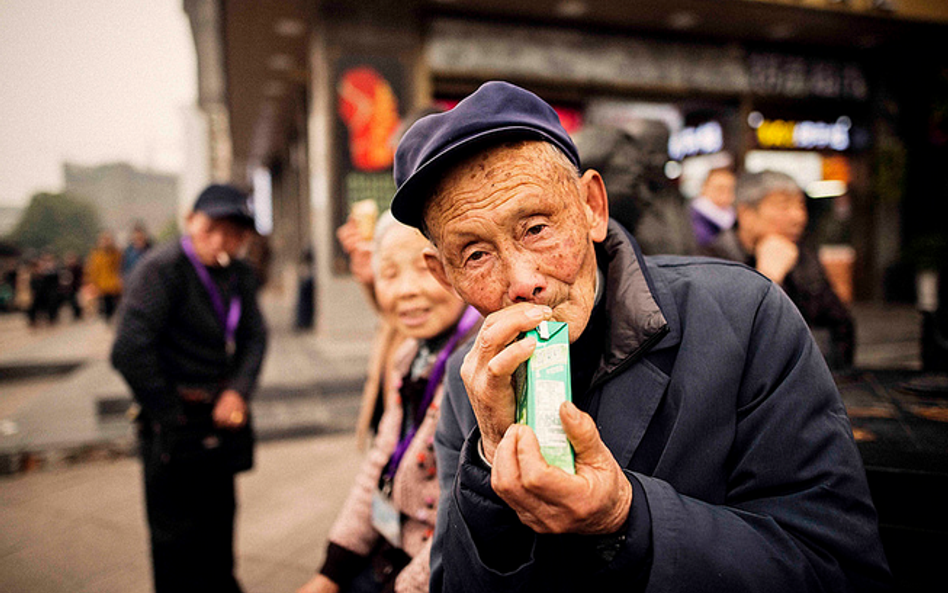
(414, 489)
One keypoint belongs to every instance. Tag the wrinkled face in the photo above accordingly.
(780, 213)
(216, 241)
(719, 188)
(406, 291)
(516, 224)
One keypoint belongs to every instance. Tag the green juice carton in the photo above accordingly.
(541, 384)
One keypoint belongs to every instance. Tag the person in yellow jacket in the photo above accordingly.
(103, 274)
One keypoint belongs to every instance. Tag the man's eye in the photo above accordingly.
(476, 256)
(536, 229)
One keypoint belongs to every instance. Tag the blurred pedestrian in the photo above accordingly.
(44, 286)
(381, 540)
(190, 343)
(70, 282)
(22, 291)
(771, 220)
(306, 292)
(138, 244)
(103, 274)
(713, 210)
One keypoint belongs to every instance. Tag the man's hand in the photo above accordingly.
(776, 255)
(490, 364)
(230, 411)
(596, 500)
(319, 584)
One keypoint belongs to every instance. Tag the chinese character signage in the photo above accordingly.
(370, 97)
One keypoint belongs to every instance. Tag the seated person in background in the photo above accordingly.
(713, 210)
(771, 219)
(382, 537)
(713, 451)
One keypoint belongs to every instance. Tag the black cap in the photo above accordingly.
(496, 112)
(225, 201)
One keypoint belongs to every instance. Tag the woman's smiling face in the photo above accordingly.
(406, 291)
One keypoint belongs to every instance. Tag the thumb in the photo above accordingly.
(582, 433)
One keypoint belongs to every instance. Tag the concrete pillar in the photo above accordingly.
(345, 321)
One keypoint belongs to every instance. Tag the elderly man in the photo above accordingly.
(713, 452)
(771, 218)
(190, 342)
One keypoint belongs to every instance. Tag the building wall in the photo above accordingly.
(345, 318)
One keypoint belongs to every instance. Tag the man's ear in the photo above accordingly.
(596, 204)
(433, 261)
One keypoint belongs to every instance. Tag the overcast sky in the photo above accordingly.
(90, 81)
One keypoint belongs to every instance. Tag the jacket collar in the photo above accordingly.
(642, 318)
(639, 308)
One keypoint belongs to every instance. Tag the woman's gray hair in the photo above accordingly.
(384, 224)
(754, 187)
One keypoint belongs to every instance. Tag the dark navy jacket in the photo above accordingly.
(713, 396)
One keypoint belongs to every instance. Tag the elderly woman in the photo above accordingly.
(382, 537)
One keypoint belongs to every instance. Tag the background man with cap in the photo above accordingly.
(713, 452)
(190, 342)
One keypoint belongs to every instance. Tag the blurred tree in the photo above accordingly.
(169, 232)
(60, 222)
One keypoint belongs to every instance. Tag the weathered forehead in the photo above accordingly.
(497, 175)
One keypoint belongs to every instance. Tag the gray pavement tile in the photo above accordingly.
(82, 527)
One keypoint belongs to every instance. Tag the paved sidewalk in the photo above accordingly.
(60, 397)
(81, 528)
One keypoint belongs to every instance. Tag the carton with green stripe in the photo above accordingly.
(542, 384)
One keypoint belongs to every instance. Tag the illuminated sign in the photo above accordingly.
(707, 138)
(778, 133)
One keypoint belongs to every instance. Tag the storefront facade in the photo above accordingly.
(770, 84)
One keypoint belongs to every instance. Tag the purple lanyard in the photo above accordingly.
(230, 318)
(468, 320)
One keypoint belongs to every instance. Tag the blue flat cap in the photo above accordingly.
(496, 112)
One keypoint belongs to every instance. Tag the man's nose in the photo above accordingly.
(525, 282)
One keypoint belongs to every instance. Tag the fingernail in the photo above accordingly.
(572, 412)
